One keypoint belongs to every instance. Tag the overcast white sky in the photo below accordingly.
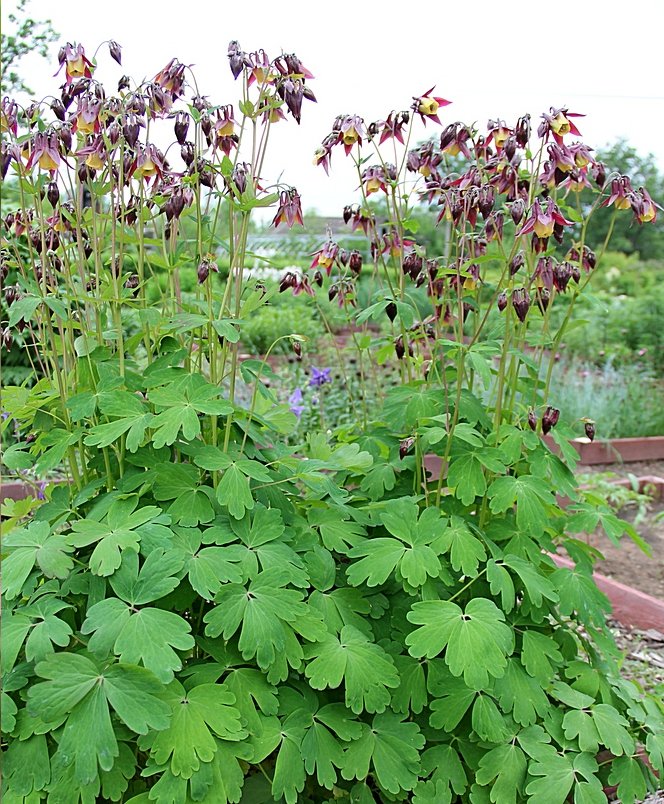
(492, 59)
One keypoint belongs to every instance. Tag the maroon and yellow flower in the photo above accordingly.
(558, 123)
(427, 106)
(289, 210)
(45, 152)
(542, 219)
(76, 63)
(325, 256)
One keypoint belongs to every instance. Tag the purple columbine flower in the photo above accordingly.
(296, 402)
(319, 377)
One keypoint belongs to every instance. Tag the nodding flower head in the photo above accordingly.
(76, 63)
(86, 118)
(543, 218)
(393, 126)
(289, 210)
(45, 151)
(645, 209)
(499, 133)
(621, 193)
(171, 78)
(351, 131)
(427, 106)
(326, 256)
(558, 123)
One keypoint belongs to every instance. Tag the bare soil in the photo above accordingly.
(626, 562)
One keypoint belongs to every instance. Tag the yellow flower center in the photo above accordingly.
(85, 126)
(76, 67)
(94, 161)
(351, 136)
(372, 186)
(226, 130)
(543, 229)
(622, 203)
(560, 124)
(46, 162)
(148, 168)
(428, 106)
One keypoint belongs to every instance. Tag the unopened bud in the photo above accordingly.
(516, 262)
(405, 447)
(115, 51)
(391, 311)
(297, 349)
(521, 303)
(502, 301)
(53, 193)
(532, 420)
(589, 428)
(550, 419)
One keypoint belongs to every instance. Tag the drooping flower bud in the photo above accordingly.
(391, 311)
(297, 349)
(502, 301)
(355, 261)
(399, 348)
(288, 280)
(132, 283)
(550, 419)
(589, 428)
(53, 193)
(521, 303)
(405, 446)
(517, 210)
(333, 292)
(181, 127)
(318, 279)
(516, 262)
(486, 200)
(543, 298)
(532, 420)
(115, 51)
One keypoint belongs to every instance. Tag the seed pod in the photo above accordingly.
(405, 447)
(391, 311)
(589, 427)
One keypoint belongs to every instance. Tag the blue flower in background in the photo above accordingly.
(296, 401)
(319, 377)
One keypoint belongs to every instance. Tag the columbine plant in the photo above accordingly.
(206, 614)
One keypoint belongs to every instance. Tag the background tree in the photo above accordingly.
(29, 36)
